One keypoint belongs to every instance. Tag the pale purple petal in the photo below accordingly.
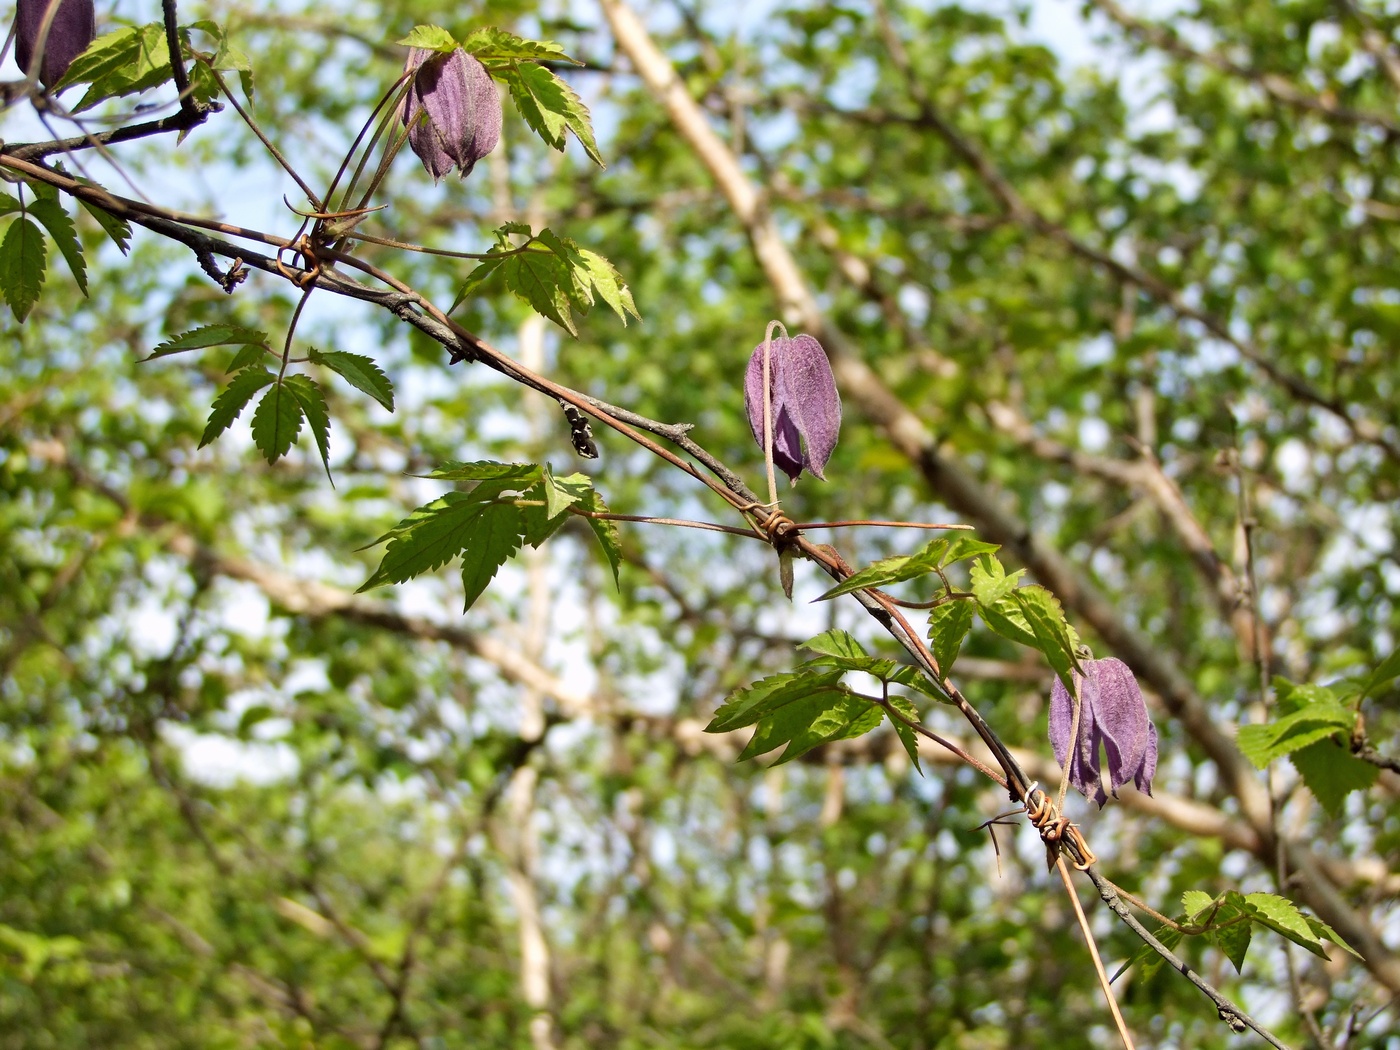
(1084, 760)
(74, 26)
(1121, 716)
(807, 389)
(787, 451)
(463, 110)
(1142, 779)
(753, 389)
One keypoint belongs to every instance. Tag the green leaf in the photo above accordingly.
(211, 335)
(841, 645)
(60, 226)
(484, 271)
(1054, 637)
(129, 61)
(990, 584)
(313, 406)
(489, 470)
(962, 545)
(22, 257)
(562, 493)
(433, 534)
(811, 720)
(1324, 932)
(276, 422)
(839, 649)
(1146, 959)
(1233, 940)
(493, 538)
(891, 570)
(1388, 669)
(745, 706)
(1195, 902)
(906, 734)
(490, 44)
(116, 228)
(609, 284)
(549, 106)
(359, 371)
(230, 403)
(430, 38)
(9, 204)
(543, 281)
(1331, 772)
(250, 354)
(1261, 744)
(606, 532)
(948, 625)
(1282, 916)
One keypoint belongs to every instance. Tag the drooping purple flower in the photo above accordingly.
(806, 409)
(73, 28)
(1114, 715)
(463, 107)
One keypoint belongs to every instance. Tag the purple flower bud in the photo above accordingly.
(463, 108)
(73, 28)
(1113, 714)
(805, 404)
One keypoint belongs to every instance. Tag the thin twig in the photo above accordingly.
(1123, 1032)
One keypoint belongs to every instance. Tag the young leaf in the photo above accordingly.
(948, 625)
(963, 545)
(433, 534)
(494, 537)
(841, 645)
(550, 107)
(276, 422)
(430, 38)
(606, 532)
(60, 226)
(609, 284)
(1054, 637)
(1331, 772)
(137, 60)
(249, 354)
(484, 271)
(891, 570)
(1196, 903)
(1261, 744)
(990, 583)
(1388, 669)
(230, 403)
(489, 44)
(562, 493)
(22, 256)
(210, 335)
(1282, 916)
(359, 371)
(313, 405)
(746, 706)
(808, 721)
(906, 734)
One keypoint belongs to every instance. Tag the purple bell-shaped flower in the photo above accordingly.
(453, 110)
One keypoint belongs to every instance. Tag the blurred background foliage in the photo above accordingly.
(1102, 253)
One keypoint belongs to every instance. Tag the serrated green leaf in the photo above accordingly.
(543, 281)
(841, 645)
(430, 38)
(1233, 940)
(1007, 620)
(1261, 744)
(276, 422)
(906, 734)
(562, 493)
(359, 371)
(251, 354)
(745, 706)
(8, 204)
(488, 470)
(231, 402)
(211, 335)
(1054, 637)
(1146, 959)
(1324, 932)
(537, 95)
(1282, 916)
(609, 284)
(558, 494)
(103, 56)
(138, 62)
(433, 534)
(606, 532)
(948, 625)
(22, 259)
(60, 226)
(1331, 772)
(1194, 902)
(116, 228)
(963, 545)
(483, 272)
(490, 44)
(313, 407)
(811, 720)
(990, 583)
(891, 570)
(493, 538)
